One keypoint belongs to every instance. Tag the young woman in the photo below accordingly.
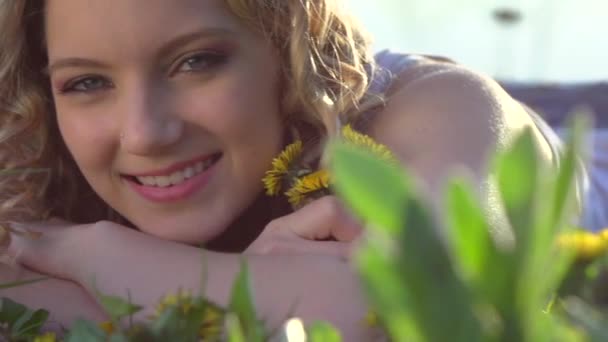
(155, 121)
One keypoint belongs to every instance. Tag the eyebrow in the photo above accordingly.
(187, 38)
(73, 62)
(167, 48)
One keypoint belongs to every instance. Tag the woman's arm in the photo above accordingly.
(114, 260)
(441, 118)
(65, 300)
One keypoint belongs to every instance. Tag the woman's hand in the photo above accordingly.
(322, 227)
(62, 249)
(66, 301)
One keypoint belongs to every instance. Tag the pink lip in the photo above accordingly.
(175, 192)
(167, 171)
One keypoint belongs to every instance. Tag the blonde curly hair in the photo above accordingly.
(325, 66)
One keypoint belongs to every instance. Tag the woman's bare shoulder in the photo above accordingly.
(440, 115)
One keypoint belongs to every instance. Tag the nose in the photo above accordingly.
(149, 125)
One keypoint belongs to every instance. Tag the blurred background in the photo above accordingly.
(552, 54)
(523, 40)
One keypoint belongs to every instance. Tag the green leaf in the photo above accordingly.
(117, 307)
(555, 215)
(322, 332)
(571, 163)
(438, 296)
(234, 329)
(560, 207)
(30, 323)
(418, 273)
(10, 311)
(22, 322)
(537, 207)
(83, 330)
(386, 291)
(486, 267)
(22, 282)
(241, 303)
(375, 190)
(469, 231)
(517, 174)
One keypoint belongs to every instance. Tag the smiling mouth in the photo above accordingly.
(177, 177)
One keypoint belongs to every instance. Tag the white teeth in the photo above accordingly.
(163, 181)
(147, 180)
(189, 173)
(176, 177)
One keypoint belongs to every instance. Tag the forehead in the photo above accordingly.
(74, 25)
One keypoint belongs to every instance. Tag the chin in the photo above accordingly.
(187, 233)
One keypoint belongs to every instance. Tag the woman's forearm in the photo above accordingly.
(313, 288)
(65, 300)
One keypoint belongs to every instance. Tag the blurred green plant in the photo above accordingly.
(457, 281)
(18, 323)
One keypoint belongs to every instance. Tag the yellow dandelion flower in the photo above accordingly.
(211, 326)
(280, 168)
(308, 185)
(366, 142)
(182, 299)
(603, 233)
(47, 337)
(586, 245)
(213, 323)
(107, 326)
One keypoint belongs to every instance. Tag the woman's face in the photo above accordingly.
(169, 107)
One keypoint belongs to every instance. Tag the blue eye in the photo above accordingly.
(201, 62)
(86, 84)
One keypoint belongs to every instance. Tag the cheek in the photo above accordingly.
(89, 141)
(244, 118)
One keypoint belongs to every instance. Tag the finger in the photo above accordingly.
(41, 252)
(30, 236)
(25, 249)
(322, 219)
